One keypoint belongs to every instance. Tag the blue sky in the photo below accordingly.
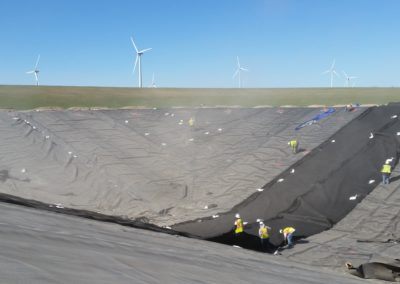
(283, 43)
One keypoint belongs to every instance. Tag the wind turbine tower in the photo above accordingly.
(238, 71)
(331, 71)
(153, 82)
(35, 71)
(139, 54)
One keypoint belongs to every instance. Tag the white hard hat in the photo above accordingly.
(237, 215)
(281, 231)
(261, 224)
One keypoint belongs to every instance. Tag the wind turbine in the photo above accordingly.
(331, 71)
(238, 70)
(348, 79)
(139, 54)
(35, 71)
(153, 82)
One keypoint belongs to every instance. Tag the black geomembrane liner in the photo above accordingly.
(317, 195)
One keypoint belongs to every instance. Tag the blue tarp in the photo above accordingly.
(313, 120)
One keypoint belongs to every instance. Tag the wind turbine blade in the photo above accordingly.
(334, 72)
(134, 45)
(144, 50)
(30, 72)
(36, 77)
(238, 63)
(37, 61)
(333, 64)
(134, 67)
(344, 73)
(326, 72)
(244, 69)
(234, 74)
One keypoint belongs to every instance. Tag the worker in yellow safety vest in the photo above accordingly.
(191, 121)
(239, 229)
(386, 171)
(294, 144)
(238, 225)
(288, 235)
(264, 236)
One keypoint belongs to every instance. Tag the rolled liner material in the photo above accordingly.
(317, 195)
(378, 270)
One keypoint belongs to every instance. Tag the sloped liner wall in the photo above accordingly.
(320, 189)
(137, 223)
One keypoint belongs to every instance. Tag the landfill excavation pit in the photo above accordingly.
(191, 169)
(317, 191)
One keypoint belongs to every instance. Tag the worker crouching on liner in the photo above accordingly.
(288, 235)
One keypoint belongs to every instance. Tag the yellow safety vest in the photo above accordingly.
(386, 169)
(293, 143)
(288, 230)
(264, 233)
(239, 226)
